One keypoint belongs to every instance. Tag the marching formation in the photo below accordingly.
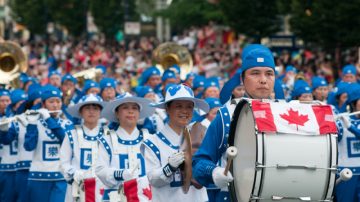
(165, 139)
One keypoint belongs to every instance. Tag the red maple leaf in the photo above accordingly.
(147, 193)
(295, 118)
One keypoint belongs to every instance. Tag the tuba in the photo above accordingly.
(88, 74)
(169, 53)
(13, 61)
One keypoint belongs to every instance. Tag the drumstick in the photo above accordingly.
(231, 154)
(345, 175)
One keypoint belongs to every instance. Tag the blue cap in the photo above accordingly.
(211, 82)
(175, 68)
(23, 77)
(142, 91)
(213, 102)
(34, 91)
(29, 79)
(148, 73)
(107, 82)
(168, 74)
(189, 75)
(199, 81)
(349, 69)
(257, 55)
(102, 67)
(291, 68)
(4, 92)
(68, 77)
(52, 73)
(229, 86)
(90, 84)
(318, 82)
(341, 88)
(17, 95)
(353, 93)
(49, 91)
(300, 87)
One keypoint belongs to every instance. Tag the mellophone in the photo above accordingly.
(26, 113)
(273, 164)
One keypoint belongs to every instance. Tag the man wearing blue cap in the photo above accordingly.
(54, 78)
(302, 91)
(258, 76)
(151, 77)
(44, 137)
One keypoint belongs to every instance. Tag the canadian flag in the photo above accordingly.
(293, 118)
(138, 190)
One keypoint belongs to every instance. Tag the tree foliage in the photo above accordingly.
(31, 13)
(110, 18)
(331, 24)
(186, 13)
(257, 19)
(69, 13)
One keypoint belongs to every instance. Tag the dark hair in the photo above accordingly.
(117, 108)
(92, 104)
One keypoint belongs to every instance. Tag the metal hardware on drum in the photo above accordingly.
(282, 166)
(279, 198)
(345, 175)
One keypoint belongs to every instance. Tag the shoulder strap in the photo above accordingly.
(106, 146)
(153, 148)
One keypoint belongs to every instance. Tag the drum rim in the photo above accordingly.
(231, 139)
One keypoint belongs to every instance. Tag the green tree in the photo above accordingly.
(256, 19)
(70, 13)
(110, 18)
(31, 13)
(186, 13)
(329, 24)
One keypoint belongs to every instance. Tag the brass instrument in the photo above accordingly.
(88, 74)
(13, 61)
(169, 53)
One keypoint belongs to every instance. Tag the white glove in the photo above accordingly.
(22, 119)
(44, 113)
(176, 159)
(32, 119)
(221, 180)
(79, 176)
(124, 175)
(346, 121)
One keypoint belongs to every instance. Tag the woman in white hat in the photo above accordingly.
(119, 152)
(78, 153)
(162, 151)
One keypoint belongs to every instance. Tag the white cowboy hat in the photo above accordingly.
(85, 100)
(145, 109)
(182, 92)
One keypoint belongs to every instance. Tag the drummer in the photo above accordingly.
(258, 76)
(162, 153)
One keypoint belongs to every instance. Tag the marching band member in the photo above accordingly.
(349, 74)
(54, 78)
(320, 88)
(349, 139)
(211, 88)
(44, 137)
(78, 153)
(258, 76)
(68, 88)
(91, 87)
(301, 91)
(161, 151)
(154, 122)
(108, 89)
(16, 135)
(152, 77)
(119, 152)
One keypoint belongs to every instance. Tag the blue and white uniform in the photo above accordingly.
(118, 151)
(157, 150)
(46, 183)
(79, 153)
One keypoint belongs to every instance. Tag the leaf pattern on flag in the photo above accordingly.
(293, 117)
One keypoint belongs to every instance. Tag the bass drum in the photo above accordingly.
(278, 166)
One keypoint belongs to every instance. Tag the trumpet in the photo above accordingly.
(8, 120)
